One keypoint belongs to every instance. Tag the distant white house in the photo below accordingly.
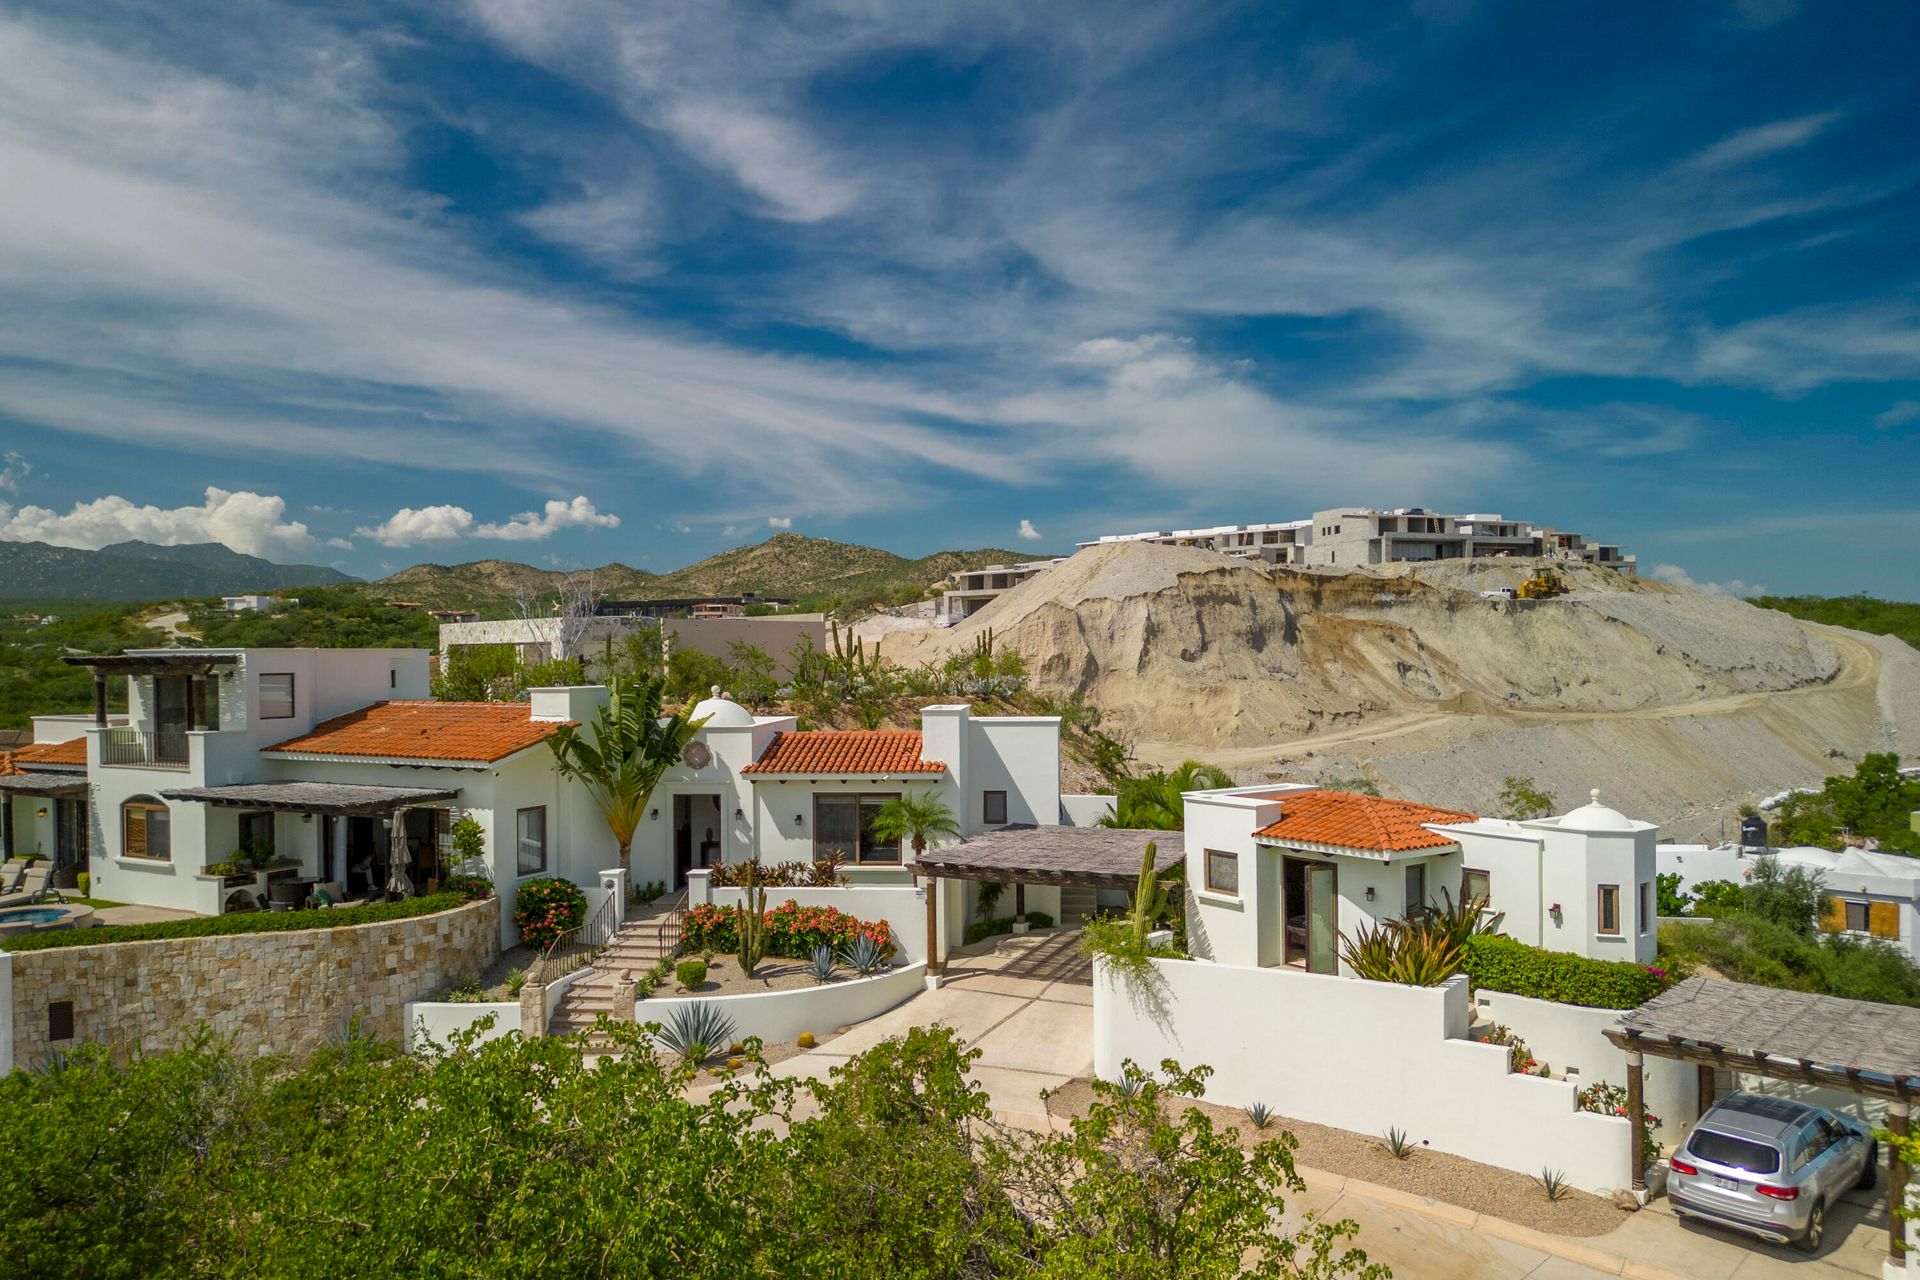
(247, 604)
(1874, 894)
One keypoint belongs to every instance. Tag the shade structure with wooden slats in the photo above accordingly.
(338, 798)
(1858, 1046)
(1096, 857)
(1020, 855)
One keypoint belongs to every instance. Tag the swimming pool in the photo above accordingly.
(50, 916)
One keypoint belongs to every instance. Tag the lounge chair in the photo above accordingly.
(12, 872)
(35, 886)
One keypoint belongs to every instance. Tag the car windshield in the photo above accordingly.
(1736, 1153)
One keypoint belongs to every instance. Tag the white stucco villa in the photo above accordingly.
(1875, 895)
(1277, 873)
(335, 764)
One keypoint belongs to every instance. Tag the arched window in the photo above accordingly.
(146, 829)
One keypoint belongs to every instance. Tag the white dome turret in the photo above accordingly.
(721, 713)
(1594, 816)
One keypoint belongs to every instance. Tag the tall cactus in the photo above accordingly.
(1149, 897)
(750, 920)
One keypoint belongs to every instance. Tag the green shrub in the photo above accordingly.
(980, 929)
(1500, 963)
(85, 882)
(1748, 948)
(690, 973)
(242, 922)
(470, 888)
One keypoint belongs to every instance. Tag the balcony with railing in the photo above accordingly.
(144, 748)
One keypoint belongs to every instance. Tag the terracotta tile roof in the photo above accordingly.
(1348, 820)
(477, 732)
(71, 752)
(845, 751)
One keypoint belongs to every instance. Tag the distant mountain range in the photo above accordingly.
(785, 565)
(138, 571)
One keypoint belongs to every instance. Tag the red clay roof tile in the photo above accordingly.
(1348, 820)
(71, 752)
(845, 751)
(476, 732)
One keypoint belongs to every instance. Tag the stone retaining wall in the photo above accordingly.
(283, 993)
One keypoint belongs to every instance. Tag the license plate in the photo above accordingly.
(1730, 1184)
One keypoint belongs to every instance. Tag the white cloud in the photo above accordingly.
(779, 522)
(1763, 140)
(1028, 532)
(530, 526)
(410, 525)
(1674, 575)
(251, 523)
(1898, 414)
(13, 469)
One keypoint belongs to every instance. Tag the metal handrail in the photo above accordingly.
(162, 748)
(576, 946)
(668, 930)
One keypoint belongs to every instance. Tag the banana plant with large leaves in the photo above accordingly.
(631, 747)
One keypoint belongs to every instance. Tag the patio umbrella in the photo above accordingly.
(398, 882)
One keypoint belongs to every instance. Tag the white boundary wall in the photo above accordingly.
(438, 1020)
(903, 907)
(1569, 1037)
(779, 1016)
(1363, 1056)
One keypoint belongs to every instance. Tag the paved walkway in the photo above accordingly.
(1027, 1004)
(140, 915)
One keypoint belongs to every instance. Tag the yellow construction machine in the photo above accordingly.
(1544, 585)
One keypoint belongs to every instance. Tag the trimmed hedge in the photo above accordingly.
(1500, 963)
(981, 929)
(240, 922)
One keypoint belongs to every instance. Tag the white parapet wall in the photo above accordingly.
(1362, 1056)
(780, 1016)
(1570, 1038)
(433, 1023)
(903, 907)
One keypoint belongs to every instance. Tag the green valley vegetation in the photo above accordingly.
(314, 618)
(516, 1158)
(1875, 802)
(1857, 612)
(1765, 932)
(35, 681)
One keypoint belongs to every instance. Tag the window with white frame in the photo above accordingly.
(276, 695)
(1475, 885)
(530, 840)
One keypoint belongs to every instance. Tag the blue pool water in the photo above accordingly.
(35, 915)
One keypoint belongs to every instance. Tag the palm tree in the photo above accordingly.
(1153, 801)
(916, 817)
(633, 747)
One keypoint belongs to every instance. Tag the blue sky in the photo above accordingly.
(578, 281)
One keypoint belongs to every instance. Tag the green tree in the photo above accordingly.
(479, 673)
(1155, 801)
(632, 748)
(1875, 801)
(917, 817)
(1670, 899)
(1145, 1188)
(692, 675)
(1521, 799)
(752, 678)
(1718, 898)
(1789, 896)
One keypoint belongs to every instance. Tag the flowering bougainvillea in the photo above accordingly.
(1611, 1100)
(792, 930)
(546, 908)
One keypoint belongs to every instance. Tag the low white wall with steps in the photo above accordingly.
(903, 907)
(1568, 1038)
(780, 1016)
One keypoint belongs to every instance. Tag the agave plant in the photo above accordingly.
(1130, 1084)
(1399, 1146)
(865, 956)
(1399, 951)
(1554, 1183)
(1458, 921)
(692, 1030)
(1260, 1113)
(820, 964)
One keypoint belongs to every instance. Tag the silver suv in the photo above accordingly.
(1770, 1167)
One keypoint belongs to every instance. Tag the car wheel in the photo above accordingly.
(1809, 1241)
(1871, 1174)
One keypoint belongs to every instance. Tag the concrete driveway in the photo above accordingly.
(1026, 1003)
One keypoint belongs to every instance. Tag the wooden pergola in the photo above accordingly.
(197, 666)
(1089, 857)
(1854, 1045)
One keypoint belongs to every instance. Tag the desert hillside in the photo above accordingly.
(1678, 705)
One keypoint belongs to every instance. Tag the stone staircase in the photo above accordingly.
(1076, 904)
(636, 947)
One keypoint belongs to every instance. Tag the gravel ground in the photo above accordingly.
(725, 979)
(1434, 1174)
